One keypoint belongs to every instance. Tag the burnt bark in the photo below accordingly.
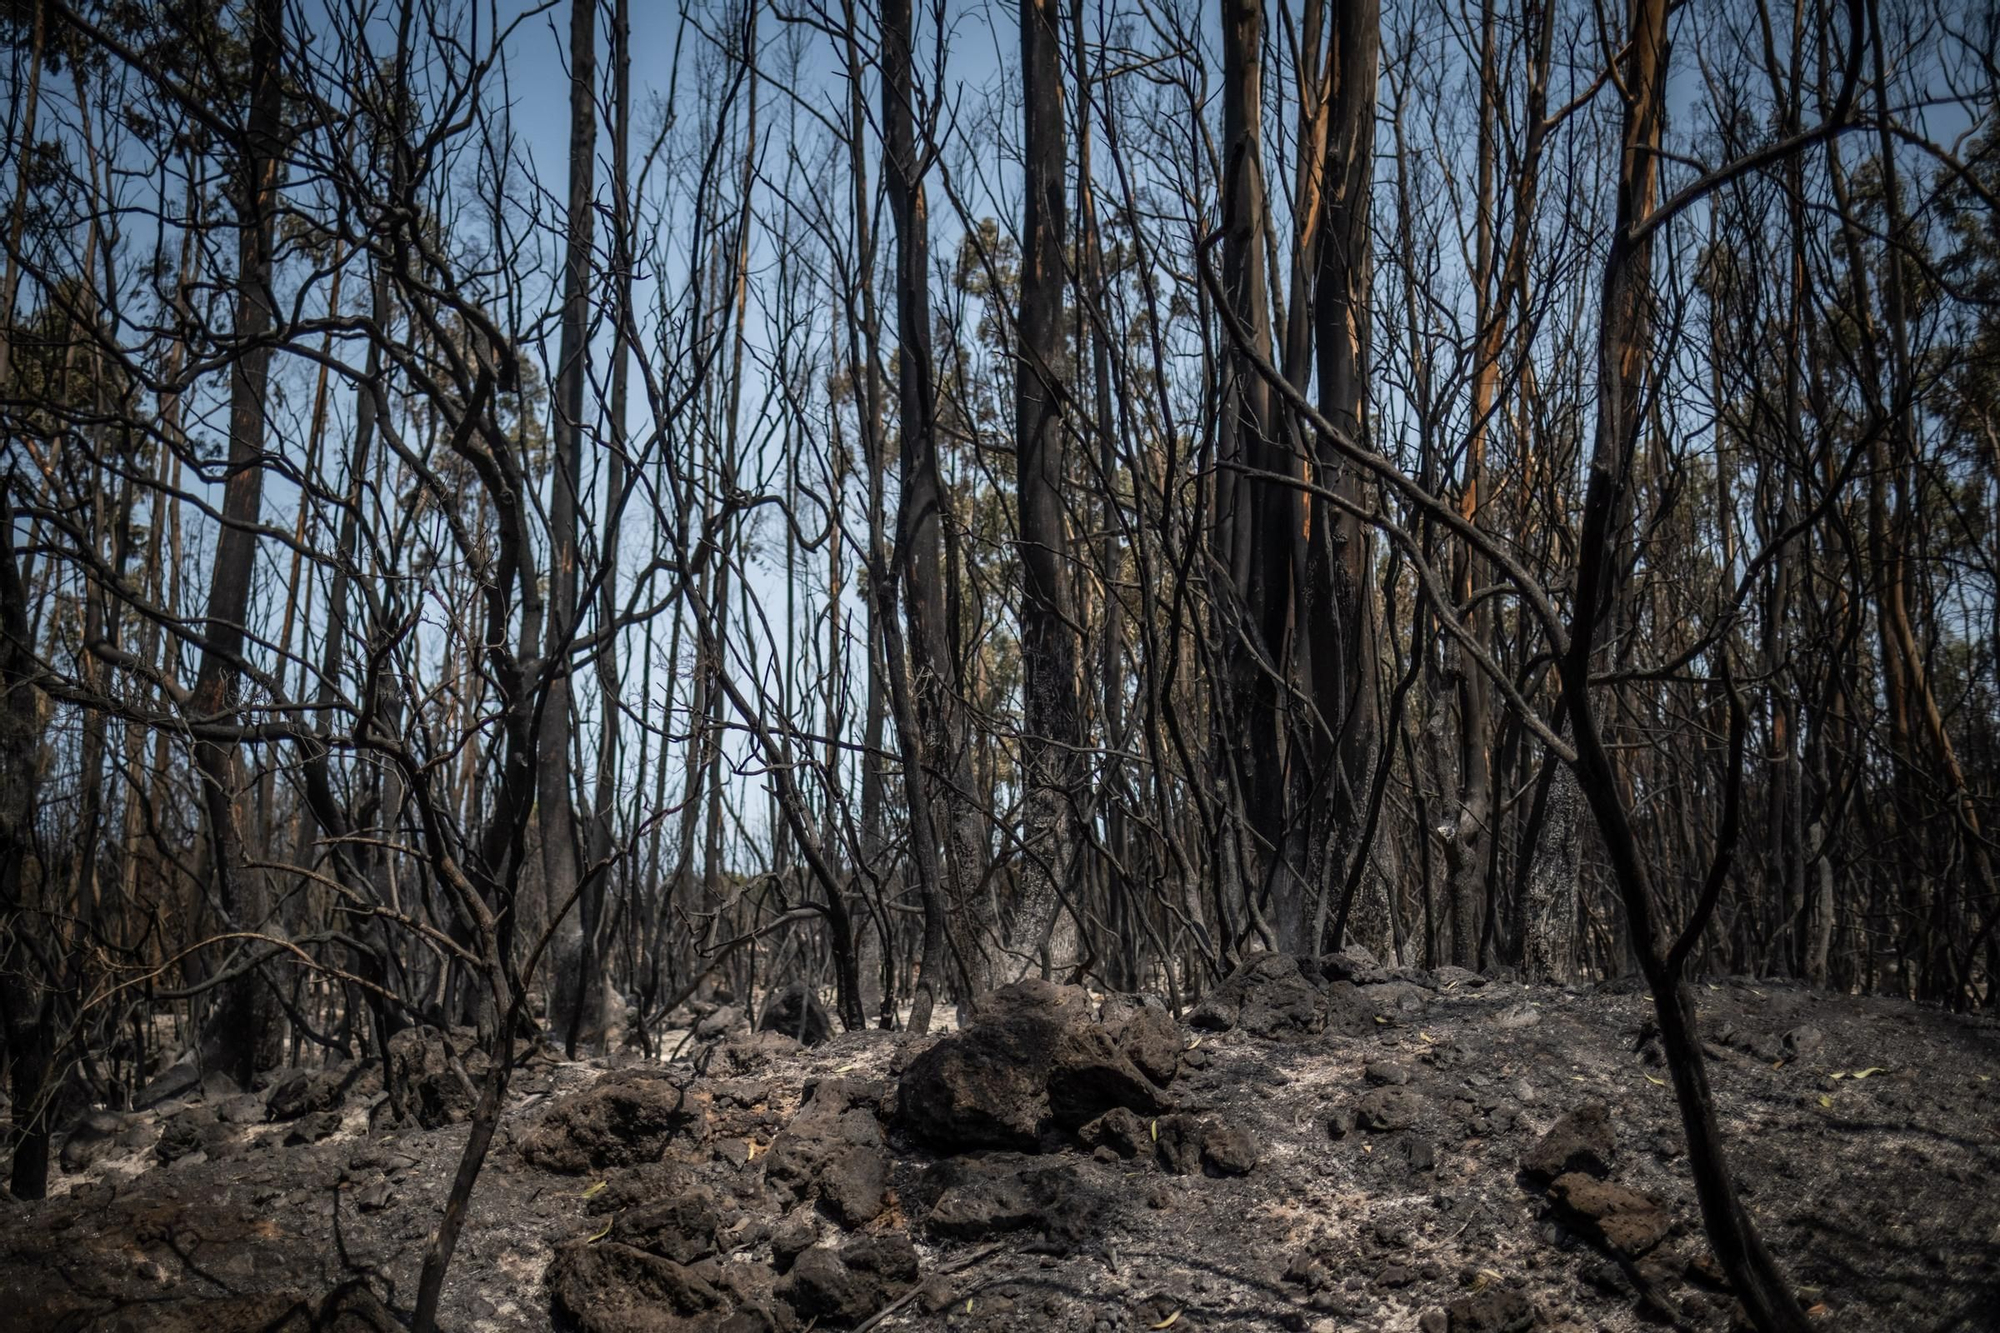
(243, 1030)
(1050, 732)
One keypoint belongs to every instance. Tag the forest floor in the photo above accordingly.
(1322, 1147)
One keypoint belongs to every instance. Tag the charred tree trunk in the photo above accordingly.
(561, 873)
(1048, 645)
(243, 1030)
(1624, 353)
(1339, 668)
(590, 1023)
(1249, 573)
(24, 992)
(919, 542)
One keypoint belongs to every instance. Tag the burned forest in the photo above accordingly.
(744, 666)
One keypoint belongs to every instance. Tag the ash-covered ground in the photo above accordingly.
(1323, 1145)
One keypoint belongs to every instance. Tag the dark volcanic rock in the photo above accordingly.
(91, 1140)
(843, 1287)
(185, 1077)
(1090, 1075)
(1354, 964)
(421, 1077)
(181, 1136)
(754, 1052)
(311, 1091)
(833, 1150)
(1348, 1010)
(1031, 1061)
(1146, 1034)
(1388, 1108)
(854, 1185)
(1767, 1047)
(1580, 1141)
(719, 1023)
(1268, 995)
(243, 1109)
(793, 1237)
(1803, 1041)
(1230, 1150)
(608, 1287)
(1120, 1129)
(1068, 1006)
(680, 1225)
(1623, 1219)
(1516, 1017)
(313, 1128)
(889, 1256)
(625, 1119)
(819, 1286)
(1177, 1143)
(796, 1012)
(640, 1186)
(976, 1198)
(1390, 999)
(1495, 1310)
(1188, 1145)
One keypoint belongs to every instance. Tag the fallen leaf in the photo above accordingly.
(1428, 1037)
(1380, 1019)
(1657, 1082)
(1818, 1307)
(1826, 1101)
(1169, 1321)
(1864, 1073)
(594, 1189)
(1155, 1127)
(602, 1234)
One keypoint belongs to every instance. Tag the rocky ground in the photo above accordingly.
(1323, 1145)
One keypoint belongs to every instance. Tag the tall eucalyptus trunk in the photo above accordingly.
(1050, 724)
(556, 803)
(919, 517)
(243, 1032)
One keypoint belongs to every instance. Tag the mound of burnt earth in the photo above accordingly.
(1324, 1144)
